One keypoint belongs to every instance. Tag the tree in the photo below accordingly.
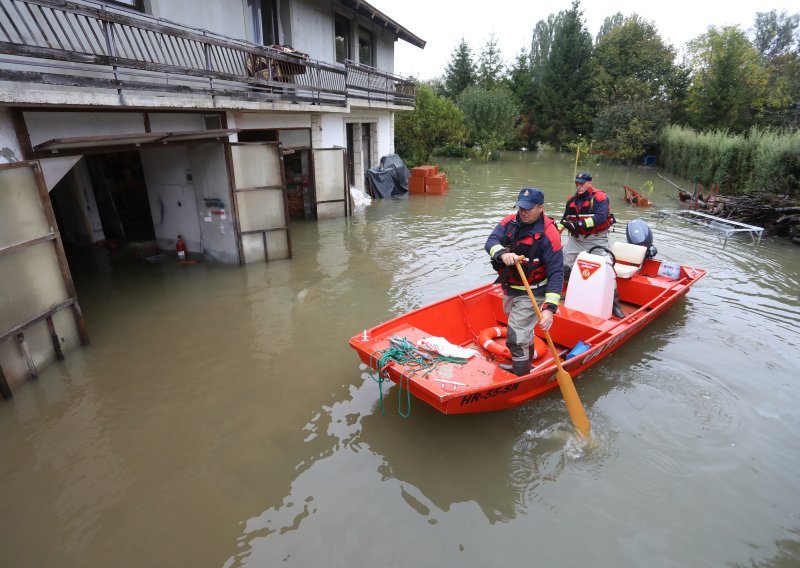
(775, 38)
(434, 121)
(633, 71)
(490, 64)
(609, 24)
(628, 129)
(542, 39)
(728, 82)
(460, 71)
(775, 33)
(541, 42)
(632, 62)
(490, 116)
(520, 77)
(563, 108)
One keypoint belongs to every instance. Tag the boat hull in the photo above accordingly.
(480, 384)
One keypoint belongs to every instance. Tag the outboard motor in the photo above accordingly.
(639, 233)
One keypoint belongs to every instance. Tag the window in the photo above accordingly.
(135, 4)
(264, 20)
(341, 36)
(366, 52)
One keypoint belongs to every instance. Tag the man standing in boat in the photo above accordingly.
(531, 237)
(587, 218)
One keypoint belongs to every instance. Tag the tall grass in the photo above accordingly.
(758, 160)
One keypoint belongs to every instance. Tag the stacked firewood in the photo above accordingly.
(778, 215)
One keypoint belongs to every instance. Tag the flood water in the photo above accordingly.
(219, 418)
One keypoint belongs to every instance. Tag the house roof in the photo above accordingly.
(373, 13)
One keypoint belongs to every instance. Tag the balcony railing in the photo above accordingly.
(93, 45)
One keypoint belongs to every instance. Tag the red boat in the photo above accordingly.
(583, 329)
(633, 197)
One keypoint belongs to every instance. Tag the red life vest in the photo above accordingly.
(523, 240)
(575, 212)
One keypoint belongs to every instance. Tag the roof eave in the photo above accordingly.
(372, 13)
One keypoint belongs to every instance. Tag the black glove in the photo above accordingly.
(570, 226)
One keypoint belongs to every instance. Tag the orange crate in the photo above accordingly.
(416, 184)
(436, 180)
(419, 172)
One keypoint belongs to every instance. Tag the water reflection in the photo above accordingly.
(219, 417)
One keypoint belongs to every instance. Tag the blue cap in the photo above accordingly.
(530, 196)
(583, 177)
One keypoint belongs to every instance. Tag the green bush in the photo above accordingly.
(452, 151)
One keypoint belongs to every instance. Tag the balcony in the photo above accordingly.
(92, 46)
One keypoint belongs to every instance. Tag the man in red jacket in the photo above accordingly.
(531, 237)
(587, 217)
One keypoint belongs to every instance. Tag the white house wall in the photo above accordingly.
(225, 17)
(269, 121)
(384, 50)
(44, 126)
(175, 122)
(172, 199)
(312, 29)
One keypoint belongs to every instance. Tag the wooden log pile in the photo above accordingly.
(778, 215)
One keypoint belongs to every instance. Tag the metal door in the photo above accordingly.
(330, 182)
(36, 283)
(260, 201)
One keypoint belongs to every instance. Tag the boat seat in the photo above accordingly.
(629, 258)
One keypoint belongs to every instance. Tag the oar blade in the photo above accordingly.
(573, 401)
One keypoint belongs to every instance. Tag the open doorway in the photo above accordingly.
(300, 195)
(121, 194)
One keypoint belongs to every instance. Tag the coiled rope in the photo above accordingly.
(417, 362)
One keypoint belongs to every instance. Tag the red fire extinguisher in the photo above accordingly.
(180, 246)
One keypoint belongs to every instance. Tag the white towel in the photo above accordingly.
(443, 347)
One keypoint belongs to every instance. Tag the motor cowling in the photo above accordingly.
(639, 233)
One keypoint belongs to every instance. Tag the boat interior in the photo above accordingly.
(460, 319)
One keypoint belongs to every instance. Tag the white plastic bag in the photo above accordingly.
(360, 199)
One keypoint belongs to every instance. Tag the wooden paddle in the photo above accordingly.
(574, 406)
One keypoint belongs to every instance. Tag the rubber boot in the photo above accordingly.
(616, 311)
(521, 368)
(509, 368)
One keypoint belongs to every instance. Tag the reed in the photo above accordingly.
(742, 164)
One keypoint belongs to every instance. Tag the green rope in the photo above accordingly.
(417, 362)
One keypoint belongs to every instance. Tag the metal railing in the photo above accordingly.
(364, 82)
(94, 45)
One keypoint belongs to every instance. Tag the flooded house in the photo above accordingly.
(202, 125)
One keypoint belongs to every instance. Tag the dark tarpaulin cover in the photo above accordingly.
(391, 178)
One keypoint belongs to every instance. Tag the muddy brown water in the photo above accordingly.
(219, 417)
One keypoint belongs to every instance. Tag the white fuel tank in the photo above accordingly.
(591, 285)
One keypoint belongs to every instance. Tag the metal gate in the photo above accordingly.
(261, 208)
